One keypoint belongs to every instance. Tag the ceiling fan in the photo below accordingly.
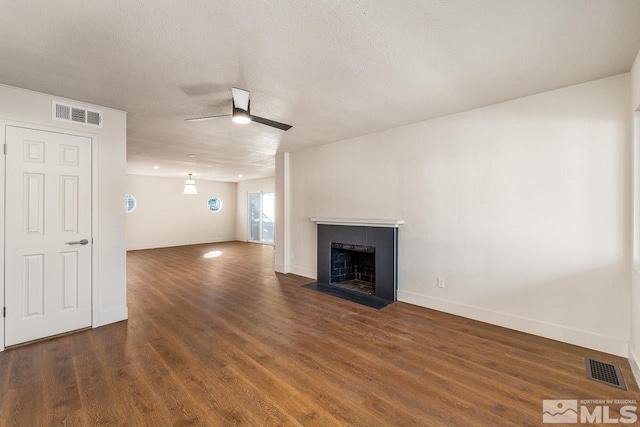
(241, 112)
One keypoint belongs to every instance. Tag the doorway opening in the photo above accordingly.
(261, 217)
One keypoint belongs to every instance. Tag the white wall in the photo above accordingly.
(244, 188)
(524, 208)
(109, 253)
(164, 216)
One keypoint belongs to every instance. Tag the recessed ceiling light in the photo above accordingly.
(239, 175)
(191, 155)
(156, 167)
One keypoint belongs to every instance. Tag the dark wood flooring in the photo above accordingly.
(225, 341)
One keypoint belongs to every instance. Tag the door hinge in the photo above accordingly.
(4, 149)
(4, 311)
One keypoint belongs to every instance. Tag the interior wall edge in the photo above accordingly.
(634, 362)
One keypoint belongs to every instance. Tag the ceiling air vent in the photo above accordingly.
(73, 113)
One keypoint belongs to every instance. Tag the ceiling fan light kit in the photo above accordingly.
(240, 112)
(240, 115)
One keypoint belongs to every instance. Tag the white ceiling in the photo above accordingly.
(333, 69)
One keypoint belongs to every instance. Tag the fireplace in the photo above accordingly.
(353, 267)
(359, 256)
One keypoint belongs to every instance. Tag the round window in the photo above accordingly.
(214, 204)
(129, 203)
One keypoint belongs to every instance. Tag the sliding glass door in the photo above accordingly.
(255, 211)
(261, 216)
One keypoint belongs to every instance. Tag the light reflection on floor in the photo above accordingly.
(213, 254)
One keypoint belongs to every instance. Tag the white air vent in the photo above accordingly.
(94, 118)
(62, 112)
(73, 113)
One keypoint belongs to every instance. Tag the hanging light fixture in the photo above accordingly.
(190, 186)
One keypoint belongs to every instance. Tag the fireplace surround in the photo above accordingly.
(363, 251)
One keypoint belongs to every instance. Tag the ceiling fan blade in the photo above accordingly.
(202, 119)
(271, 123)
(240, 98)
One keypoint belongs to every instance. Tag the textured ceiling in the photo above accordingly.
(333, 69)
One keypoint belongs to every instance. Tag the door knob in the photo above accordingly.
(79, 242)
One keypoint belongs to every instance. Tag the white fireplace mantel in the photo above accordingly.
(393, 223)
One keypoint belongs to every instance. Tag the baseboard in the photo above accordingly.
(181, 243)
(111, 316)
(312, 274)
(577, 337)
(635, 364)
(279, 268)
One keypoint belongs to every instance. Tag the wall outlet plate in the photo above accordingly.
(441, 282)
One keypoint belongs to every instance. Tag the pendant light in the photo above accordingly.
(190, 186)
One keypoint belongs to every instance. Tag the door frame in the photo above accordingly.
(95, 285)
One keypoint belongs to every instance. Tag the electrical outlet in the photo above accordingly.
(441, 282)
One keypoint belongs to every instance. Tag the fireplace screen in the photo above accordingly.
(353, 267)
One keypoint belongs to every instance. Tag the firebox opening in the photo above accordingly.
(353, 267)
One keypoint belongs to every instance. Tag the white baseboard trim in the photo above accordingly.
(635, 364)
(279, 268)
(303, 272)
(612, 345)
(181, 243)
(111, 316)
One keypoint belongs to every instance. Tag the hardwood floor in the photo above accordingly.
(225, 341)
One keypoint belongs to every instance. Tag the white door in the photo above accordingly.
(48, 234)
